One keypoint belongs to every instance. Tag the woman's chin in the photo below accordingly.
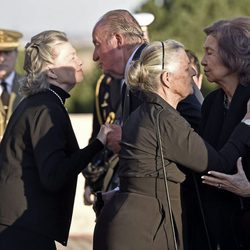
(79, 79)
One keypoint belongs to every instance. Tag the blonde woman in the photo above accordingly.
(39, 155)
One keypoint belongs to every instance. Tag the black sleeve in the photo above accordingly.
(56, 151)
(190, 109)
(205, 111)
(95, 126)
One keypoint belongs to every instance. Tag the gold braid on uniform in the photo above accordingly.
(97, 89)
(111, 117)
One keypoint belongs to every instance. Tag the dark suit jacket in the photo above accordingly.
(39, 163)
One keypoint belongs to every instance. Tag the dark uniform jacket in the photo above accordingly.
(13, 102)
(107, 102)
(39, 163)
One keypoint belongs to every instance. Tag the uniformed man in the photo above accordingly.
(108, 108)
(9, 42)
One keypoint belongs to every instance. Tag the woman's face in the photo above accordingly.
(214, 68)
(181, 76)
(67, 65)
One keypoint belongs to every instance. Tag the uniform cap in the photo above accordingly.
(144, 19)
(9, 39)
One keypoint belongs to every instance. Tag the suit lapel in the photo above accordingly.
(138, 52)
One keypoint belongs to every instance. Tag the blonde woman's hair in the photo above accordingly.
(39, 52)
(144, 74)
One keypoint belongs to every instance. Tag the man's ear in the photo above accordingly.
(119, 40)
(165, 78)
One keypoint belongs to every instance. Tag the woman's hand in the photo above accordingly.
(88, 196)
(237, 183)
(247, 115)
(103, 132)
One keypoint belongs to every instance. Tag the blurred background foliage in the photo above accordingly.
(182, 20)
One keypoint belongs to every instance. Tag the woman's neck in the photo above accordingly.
(229, 86)
(170, 98)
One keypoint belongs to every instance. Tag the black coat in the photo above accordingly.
(221, 207)
(39, 163)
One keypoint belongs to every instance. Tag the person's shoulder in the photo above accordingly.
(106, 81)
(43, 100)
(172, 117)
(173, 125)
(209, 100)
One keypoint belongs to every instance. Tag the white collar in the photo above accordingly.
(9, 81)
(129, 62)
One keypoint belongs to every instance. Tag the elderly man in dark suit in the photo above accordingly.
(101, 173)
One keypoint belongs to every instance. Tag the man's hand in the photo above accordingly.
(114, 138)
(88, 196)
(237, 183)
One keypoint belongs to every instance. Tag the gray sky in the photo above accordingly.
(75, 17)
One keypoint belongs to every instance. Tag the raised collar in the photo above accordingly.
(150, 97)
(134, 56)
(62, 93)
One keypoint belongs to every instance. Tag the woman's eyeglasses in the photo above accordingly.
(163, 54)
